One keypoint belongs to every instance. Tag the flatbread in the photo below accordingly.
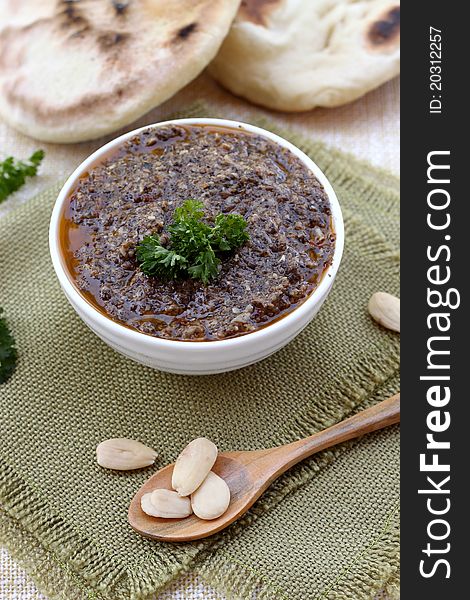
(73, 70)
(293, 55)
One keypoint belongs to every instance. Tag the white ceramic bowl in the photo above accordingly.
(196, 358)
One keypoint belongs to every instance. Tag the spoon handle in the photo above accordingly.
(380, 415)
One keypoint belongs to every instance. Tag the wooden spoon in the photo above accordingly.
(248, 474)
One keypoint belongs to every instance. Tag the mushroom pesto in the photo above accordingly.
(134, 193)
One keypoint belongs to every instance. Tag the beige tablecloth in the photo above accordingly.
(368, 128)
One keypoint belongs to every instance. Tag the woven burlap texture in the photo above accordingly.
(327, 529)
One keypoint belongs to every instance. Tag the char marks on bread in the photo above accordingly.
(294, 55)
(76, 70)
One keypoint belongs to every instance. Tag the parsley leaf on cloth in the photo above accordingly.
(8, 353)
(13, 172)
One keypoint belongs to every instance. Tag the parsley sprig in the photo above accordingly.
(193, 246)
(8, 354)
(13, 172)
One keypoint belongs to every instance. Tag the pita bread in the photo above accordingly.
(293, 55)
(73, 70)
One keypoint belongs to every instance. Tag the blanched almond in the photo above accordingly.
(385, 309)
(123, 454)
(170, 505)
(212, 497)
(193, 465)
(147, 506)
(165, 504)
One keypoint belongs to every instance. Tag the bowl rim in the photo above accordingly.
(281, 326)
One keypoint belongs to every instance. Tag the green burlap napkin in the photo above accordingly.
(327, 529)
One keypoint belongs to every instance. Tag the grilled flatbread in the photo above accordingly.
(73, 70)
(293, 55)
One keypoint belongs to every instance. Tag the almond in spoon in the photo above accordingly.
(165, 504)
(212, 497)
(193, 465)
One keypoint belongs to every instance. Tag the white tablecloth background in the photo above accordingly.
(369, 128)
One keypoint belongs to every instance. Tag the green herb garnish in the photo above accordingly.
(13, 172)
(193, 244)
(158, 261)
(8, 354)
